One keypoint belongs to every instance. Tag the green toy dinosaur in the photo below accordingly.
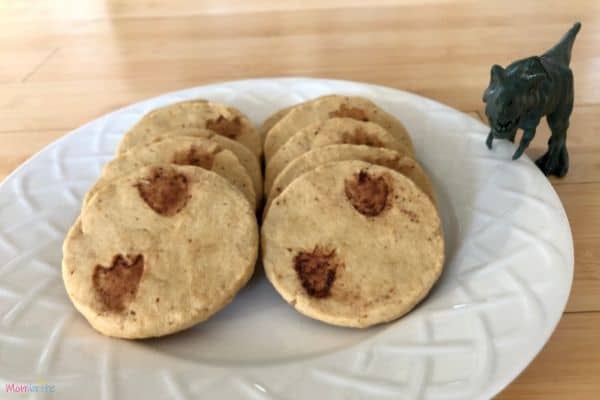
(519, 95)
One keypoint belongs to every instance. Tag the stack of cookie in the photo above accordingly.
(168, 235)
(351, 234)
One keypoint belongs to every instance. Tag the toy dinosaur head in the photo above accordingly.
(512, 93)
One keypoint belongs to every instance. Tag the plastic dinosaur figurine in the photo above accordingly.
(522, 93)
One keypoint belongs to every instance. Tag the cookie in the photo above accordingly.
(246, 157)
(223, 120)
(327, 107)
(196, 151)
(352, 244)
(406, 165)
(277, 116)
(325, 133)
(159, 250)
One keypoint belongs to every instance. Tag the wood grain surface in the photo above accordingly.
(65, 62)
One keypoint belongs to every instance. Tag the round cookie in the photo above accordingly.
(223, 120)
(341, 152)
(332, 106)
(352, 244)
(246, 157)
(158, 251)
(196, 151)
(325, 133)
(277, 116)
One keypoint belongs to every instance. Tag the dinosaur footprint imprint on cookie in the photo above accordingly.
(165, 191)
(317, 270)
(225, 127)
(368, 194)
(361, 136)
(354, 113)
(195, 156)
(117, 285)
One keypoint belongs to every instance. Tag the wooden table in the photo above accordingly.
(66, 62)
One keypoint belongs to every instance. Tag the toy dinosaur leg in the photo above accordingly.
(528, 135)
(512, 137)
(563, 163)
(556, 160)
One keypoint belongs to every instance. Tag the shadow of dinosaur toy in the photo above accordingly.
(522, 93)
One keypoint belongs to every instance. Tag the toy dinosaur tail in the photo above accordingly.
(561, 52)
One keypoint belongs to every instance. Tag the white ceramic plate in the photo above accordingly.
(505, 285)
